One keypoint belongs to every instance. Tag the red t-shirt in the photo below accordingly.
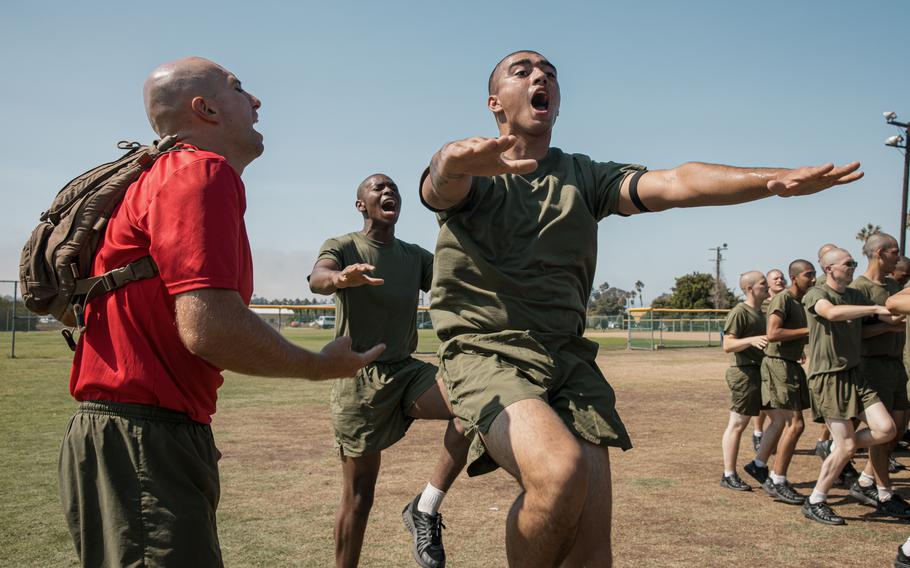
(187, 213)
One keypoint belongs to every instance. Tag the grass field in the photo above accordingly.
(280, 475)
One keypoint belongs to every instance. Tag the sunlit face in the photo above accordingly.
(379, 200)
(760, 290)
(238, 111)
(842, 269)
(525, 94)
(805, 280)
(889, 256)
(776, 282)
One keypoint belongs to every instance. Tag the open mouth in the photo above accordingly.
(389, 205)
(540, 101)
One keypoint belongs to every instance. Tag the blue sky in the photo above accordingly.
(352, 88)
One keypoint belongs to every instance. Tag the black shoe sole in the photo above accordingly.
(822, 521)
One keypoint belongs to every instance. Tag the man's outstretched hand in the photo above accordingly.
(355, 275)
(482, 157)
(812, 179)
(337, 361)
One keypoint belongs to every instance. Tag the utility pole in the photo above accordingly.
(901, 143)
(718, 285)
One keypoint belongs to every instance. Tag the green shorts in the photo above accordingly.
(888, 378)
(485, 373)
(783, 385)
(840, 396)
(370, 411)
(745, 389)
(139, 486)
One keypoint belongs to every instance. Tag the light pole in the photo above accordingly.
(901, 142)
(718, 258)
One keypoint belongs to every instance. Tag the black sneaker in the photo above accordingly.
(865, 495)
(895, 507)
(894, 466)
(823, 449)
(756, 441)
(426, 532)
(901, 560)
(760, 474)
(849, 472)
(768, 487)
(734, 482)
(788, 495)
(821, 513)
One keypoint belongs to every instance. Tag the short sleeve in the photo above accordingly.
(426, 276)
(778, 305)
(734, 324)
(811, 298)
(331, 249)
(477, 184)
(195, 227)
(603, 197)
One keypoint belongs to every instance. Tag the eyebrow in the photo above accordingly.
(527, 61)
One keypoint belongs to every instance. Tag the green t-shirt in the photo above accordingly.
(794, 317)
(886, 344)
(520, 251)
(386, 313)
(833, 345)
(745, 321)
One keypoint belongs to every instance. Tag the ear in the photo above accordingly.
(360, 205)
(203, 110)
(493, 104)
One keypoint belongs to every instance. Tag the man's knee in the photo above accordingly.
(560, 482)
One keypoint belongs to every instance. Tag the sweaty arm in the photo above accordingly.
(899, 303)
(453, 166)
(735, 345)
(843, 312)
(697, 184)
(216, 325)
(327, 278)
(777, 332)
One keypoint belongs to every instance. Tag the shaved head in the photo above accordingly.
(823, 251)
(799, 266)
(367, 183)
(749, 279)
(833, 256)
(877, 242)
(170, 89)
(498, 69)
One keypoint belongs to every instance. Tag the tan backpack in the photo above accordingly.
(56, 264)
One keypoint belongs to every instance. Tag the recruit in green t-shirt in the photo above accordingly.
(745, 321)
(834, 346)
(886, 344)
(520, 251)
(793, 315)
(386, 313)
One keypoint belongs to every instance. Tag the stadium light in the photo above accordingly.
(897, 141)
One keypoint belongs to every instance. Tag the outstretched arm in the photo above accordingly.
(217, 326)
(453, 166)
(734, 345)
(327, 278)
(899, 303)
(697, 184)
(777, 331)
(845, 312)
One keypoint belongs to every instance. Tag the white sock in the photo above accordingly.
(817, 497)
(778, 479)
(430, 500)
(866, 480)
(906, 547)
(759, 463)
(831, 447)
(757, 433)
(884, 494)
(728, 473)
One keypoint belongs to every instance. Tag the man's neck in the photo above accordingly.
(796, 292)
(378, 232)
(216, 147)
(752, 302)
(874, 273)
(834, 285)
(527, 146)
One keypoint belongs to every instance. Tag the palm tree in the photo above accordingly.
(638, 288)
(868, 231)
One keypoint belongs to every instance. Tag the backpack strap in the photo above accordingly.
(140, 269)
